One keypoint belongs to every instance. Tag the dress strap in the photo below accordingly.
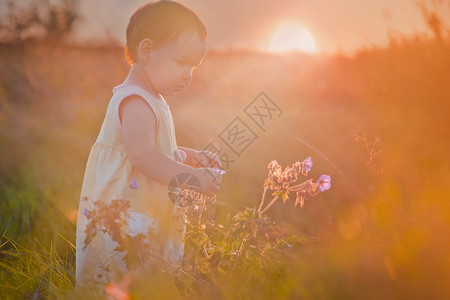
(121, 92)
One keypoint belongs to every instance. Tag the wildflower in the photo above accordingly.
(86, 211)
(103, 218)
(133, 184)
(283, 182)
(220, 171)
(324, 182)
(273, 165)
(279, 179)
(307, 164)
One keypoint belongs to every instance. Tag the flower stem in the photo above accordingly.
(269, 205)
(241, 248)
(297, 187)
(262, 199)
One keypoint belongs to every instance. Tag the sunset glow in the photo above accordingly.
(292, 36)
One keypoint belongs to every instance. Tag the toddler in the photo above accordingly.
(136, 155)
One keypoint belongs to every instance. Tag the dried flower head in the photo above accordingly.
(282, 182)
(279, 179)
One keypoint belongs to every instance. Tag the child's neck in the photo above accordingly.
(136, 76)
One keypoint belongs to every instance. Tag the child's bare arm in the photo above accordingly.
(138, 130)
(202, 158)
(190, 154)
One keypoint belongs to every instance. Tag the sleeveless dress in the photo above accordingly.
(109, 176)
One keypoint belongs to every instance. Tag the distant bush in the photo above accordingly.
(38, 21)
(433, 14)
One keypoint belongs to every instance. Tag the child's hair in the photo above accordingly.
(161, 22)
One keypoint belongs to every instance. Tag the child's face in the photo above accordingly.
(171, 65)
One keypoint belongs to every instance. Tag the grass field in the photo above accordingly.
(382, 231)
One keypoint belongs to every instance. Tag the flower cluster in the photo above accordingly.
(278, 179)
(184, 197)
(282, 182)
(111, 218)
(106, 217)
(190, 204)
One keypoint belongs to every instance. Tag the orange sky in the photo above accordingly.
(336, 25)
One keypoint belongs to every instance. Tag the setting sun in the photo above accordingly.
(292, 36)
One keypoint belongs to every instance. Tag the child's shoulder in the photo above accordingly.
(125, 90)
(128, 88)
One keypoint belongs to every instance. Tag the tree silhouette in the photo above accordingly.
(39, 20)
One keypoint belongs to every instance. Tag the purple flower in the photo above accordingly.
(307, 164)
(324, 182)
(85, 212)
(220, 171)
(133, 184)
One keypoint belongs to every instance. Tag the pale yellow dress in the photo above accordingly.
(109, 175)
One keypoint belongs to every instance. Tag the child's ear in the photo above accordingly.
(145, 49)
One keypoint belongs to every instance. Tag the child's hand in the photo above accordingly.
(210, 180)
(207, 159)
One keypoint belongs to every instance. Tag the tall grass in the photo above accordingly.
(21, 203)
(36, 271)
(36, 260)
